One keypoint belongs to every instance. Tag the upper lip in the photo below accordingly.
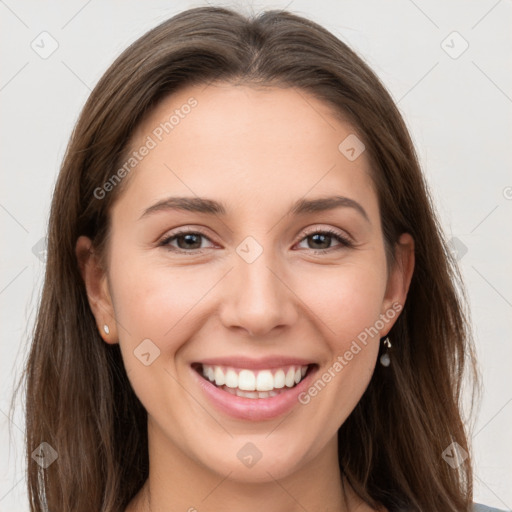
(256, 364)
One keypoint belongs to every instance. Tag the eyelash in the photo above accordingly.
(344, 242)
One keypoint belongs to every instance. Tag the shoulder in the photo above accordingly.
(482, 508)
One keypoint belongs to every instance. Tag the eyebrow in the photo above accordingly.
(209, 206)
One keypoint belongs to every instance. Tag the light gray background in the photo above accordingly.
(458, 111)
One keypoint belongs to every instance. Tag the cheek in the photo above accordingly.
(346, 300)
(152, 302)
(159, 304)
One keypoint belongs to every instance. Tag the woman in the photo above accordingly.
(196, 347)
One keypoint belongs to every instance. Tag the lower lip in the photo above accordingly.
(254, 409)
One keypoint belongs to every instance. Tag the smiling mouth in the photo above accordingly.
(255, 384)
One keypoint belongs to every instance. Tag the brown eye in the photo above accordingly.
(189, 241)
(321, 240)
(186, 241)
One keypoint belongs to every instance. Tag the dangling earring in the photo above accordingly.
(106, 329)
(385, 360)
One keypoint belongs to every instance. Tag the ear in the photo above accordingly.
(96, 285)
(399, 279)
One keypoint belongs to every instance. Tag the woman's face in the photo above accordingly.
(257, 293)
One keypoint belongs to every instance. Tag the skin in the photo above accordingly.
(258, 151)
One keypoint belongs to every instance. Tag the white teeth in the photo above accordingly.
(250, 384)
(290, 378)
(248, 394)
(265, 381)
(251, 394)
(279, 379)
(219, 376)
(246, 380)
(231, 379)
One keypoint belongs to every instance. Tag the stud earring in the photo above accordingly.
(385, 360)
(106, 329)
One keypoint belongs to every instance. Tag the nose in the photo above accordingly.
(257, 297)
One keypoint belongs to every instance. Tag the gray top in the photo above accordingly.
(478, 507)
(482, 508)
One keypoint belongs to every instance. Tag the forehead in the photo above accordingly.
(233, 142)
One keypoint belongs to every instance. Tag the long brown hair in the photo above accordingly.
(78, 397)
